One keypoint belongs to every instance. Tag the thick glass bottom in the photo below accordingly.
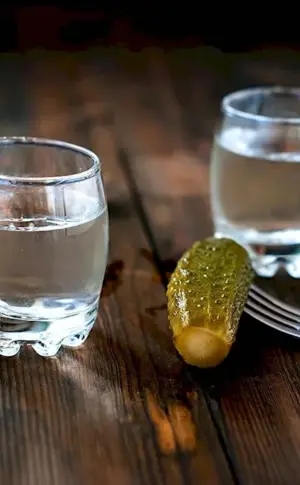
(268, 266)
(46, 337)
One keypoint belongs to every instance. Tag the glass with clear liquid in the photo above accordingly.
(255, 176)
(53, 244)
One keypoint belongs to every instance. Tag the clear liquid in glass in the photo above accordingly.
(52, 269)
(255, 191)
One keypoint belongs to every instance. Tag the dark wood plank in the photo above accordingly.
(254, 397)
(196, 452)
(121, 410)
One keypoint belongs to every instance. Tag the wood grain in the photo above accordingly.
(254, 396)
(122, 409)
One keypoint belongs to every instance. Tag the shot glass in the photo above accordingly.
(255, 176)
(53, 244)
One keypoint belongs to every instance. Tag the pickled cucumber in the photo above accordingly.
(206, 296)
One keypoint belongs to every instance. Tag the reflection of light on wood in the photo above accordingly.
(172, 430)
(192, 396)
(183, 427)
(164, 432)
(94, 388)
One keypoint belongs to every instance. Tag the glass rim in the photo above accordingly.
(229, 110)
(58, 144)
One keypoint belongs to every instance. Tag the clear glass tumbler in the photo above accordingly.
(53, 244)
(255, 176)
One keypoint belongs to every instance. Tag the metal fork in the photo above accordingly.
(273, 312)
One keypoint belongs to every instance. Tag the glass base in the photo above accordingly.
(46, 338)
(268, 266)
(267, 257)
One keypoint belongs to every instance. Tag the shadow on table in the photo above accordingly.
(258, 348)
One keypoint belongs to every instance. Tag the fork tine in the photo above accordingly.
(275, 301)
(271, 323)
(274, 307)
(261, 310)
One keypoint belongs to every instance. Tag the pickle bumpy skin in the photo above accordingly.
(206, 296)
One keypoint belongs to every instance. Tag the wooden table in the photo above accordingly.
(124, 409)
